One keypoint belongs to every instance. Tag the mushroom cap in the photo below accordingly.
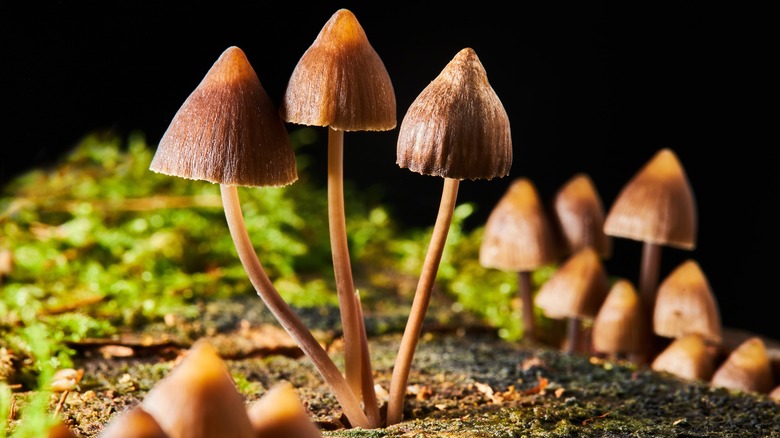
(457, 126)
(198, 398)
(577, 289)
(579, 214)
(133, 423)
(775, 393)
(280, 414)
(619, 325)
(747, 368)
(656, 206)
(518, 235)
(685, 304)
(228, 131)
(340, 81)
(686, 357)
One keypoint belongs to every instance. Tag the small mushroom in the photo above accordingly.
(519, 237)
(686, 357)
(456, 128)
(61, 430)
(279, 413)
(575, 292)
(133, 423)
(747, 368)
(579, 213)
(198, 399)
(341, 82)
(619, 327)
(228, 132)
(775, 394)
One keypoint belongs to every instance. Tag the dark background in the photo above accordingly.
(589, 87)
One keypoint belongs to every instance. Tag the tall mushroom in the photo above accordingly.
(656, 207)
(228, 132)
(575, 292)
(579, 213)
(519, 238)
(341, 82)
(456, 128)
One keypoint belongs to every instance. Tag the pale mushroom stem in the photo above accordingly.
(283, 313)
(422, 298)
(352, 323)
(648, 286)
(526, 299)
(370, 402)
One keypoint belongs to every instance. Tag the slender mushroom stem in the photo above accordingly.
(350, 319)
(283, 313)
(648, 276)
(526, 300)
(574, 334)
(370, 403)
(422, 297)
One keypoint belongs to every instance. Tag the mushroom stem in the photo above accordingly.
(283, 313)
(574, 335)
(352, 323)
(524, 286)
(648, 286)
(422, 297)
(370, 402)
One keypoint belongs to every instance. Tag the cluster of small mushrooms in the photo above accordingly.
(228, 132)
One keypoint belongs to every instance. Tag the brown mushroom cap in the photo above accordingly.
(747, 368)
(457, 126)
(656, 206)
(340, 81)
(685, 304)
(579, 213)
(280, 414)
(133, 423)
(228, 131)
(198, 398)
(518, 235)
(686, 357)
(619, 325)
(775, 393)
(577, 289)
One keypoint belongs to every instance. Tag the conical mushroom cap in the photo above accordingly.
(518, 235)
(198, 399)
(746, 369)
(579, 213)
(457, 127)
(134, 423)
(775, 393)
(685, 304)
(656, 206)
(340, 81)
(577, 289)
(619, 326)
(280, 414)
(686, 357)
(228, 131)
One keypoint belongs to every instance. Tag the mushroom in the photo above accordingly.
(133, 423)
(198, 399)
(685, 304)
(656, 207)
(775, 394)
(619, 327)
(519, 237)
(228, 132)
(686, 357)
(456, 128)
(280, 414)
(746, 369)
(60, 430)
(341, 82)
(575, 292)
(579, 213)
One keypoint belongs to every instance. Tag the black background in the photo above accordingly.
(589, 87)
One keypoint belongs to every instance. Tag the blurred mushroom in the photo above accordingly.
(579, 213)
(685, 305)
(341, 82)
(456, 128)
(775, 393)
(519, 238)
(198, 399)
(279, 413)
(746, 369)
(656, 207)
(619, 327)
(133, 423)
(686, 357)
(228, 132)
(575, 292)
(60, 430)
